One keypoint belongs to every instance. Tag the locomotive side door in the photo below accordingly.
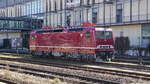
(88, 41)
(32, 42)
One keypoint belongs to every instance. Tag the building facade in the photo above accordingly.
(128, 18)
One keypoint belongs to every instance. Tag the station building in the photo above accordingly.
(128, 18)
(14, 32)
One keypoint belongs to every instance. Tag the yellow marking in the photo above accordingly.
(131, 64)
(116, 69)
(9, 56)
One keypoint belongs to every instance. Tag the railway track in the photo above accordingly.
(136, 61)
(126, 73)
(75, 79)
(5, 81)
(132, 66)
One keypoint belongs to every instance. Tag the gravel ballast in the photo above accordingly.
(122, 80)
(21, 78)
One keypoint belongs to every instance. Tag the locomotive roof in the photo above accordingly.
(61, 30)
(68, 30)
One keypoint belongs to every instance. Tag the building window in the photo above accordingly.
(88, 2)
(61, 6)
(81, 2)
(46, 7)
(146, 30)
(119, 0)
(145, 35)
(68, 19)
(94, 15)
(87, 34)
(61, 19)
(49, 5)
(119, 13)
(80, 17)
(93, 1)
(69, 1)
(55, 6)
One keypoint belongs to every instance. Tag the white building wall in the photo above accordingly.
(100, 14)
(139, 7)
(127, 11)
(113, 13)
(140, 11)
(131, 31)
(107, 13)
(143, 9)
(148, 9)
(135, 11)
(9, 35)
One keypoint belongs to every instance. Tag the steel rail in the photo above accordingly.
(36, 72)
(98, 70)
(119, 65)
(90, 69)
(7, 81)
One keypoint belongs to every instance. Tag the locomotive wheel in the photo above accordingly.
(89, 58)
(86, 57)
(64, 55)
(51, 56)
(32, 53)
(99, 59)
(109, 58)
(36, 53)
(46, 54)
(81, 58)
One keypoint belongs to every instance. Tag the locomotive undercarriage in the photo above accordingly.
(104, 56)
(98, 57)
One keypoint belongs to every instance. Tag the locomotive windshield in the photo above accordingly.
(104, 34)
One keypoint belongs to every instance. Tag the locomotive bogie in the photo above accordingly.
(105, 55)
(57, 54)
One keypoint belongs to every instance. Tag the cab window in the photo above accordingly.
(104, 34)
(87, 34)
(32, 36)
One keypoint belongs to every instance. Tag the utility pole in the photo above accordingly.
(104, 12)
(7, 8)
(65, 13)
(46, 9)
(130, 11)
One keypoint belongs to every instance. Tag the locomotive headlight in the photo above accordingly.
(99, 46)
(105, 46)
(111, 46)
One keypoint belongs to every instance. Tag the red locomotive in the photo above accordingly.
(80, 43)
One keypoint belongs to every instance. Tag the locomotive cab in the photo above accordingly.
(104, 43)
